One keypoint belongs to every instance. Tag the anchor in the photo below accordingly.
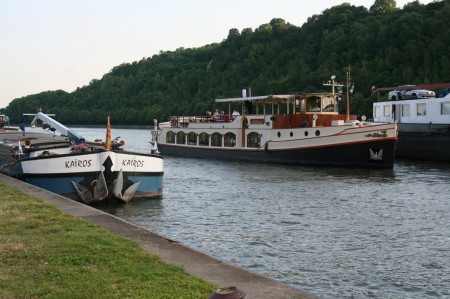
(376, 156)
(118, 186)
(100, 190)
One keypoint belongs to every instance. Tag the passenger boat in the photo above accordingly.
(68, 165)
(423, 124)
(294, 129)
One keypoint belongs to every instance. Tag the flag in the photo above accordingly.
(108, 136)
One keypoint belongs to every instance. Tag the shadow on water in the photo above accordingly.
(275, 172)
(131, 208)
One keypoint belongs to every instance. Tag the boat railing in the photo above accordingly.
(284, 121)
(184, 121)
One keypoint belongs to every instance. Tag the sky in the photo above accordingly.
(64, 44)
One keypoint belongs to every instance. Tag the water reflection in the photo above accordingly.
(139, 208)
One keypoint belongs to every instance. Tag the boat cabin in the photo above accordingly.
(419, 111)
(287, 104)
(292, 110)
(264, 118)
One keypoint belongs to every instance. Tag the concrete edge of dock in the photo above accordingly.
(194, 262)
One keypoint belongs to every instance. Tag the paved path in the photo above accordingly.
(192, 261)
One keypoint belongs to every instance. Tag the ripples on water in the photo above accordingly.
(336, 233)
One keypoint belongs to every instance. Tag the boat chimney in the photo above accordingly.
(155, 132)
(314, 120)
(154, 139)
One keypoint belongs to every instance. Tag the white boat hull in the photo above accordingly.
(345, 145)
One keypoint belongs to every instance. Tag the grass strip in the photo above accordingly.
(45, 253)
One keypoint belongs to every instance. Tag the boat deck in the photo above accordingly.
(12, 138)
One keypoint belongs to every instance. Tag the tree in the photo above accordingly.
(383, 6)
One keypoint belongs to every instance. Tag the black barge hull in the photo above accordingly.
(344, 155)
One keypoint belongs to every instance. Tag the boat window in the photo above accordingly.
(387, 111)
(445, 108)
(297, 105)
(421, 109)
(257, 121)
(253, 139)
(377, 111)
(181, 138)
(192, 138)
(313, 104)
(216, 139)
(328, 104)
(203, 139)
(170, 137)
(229, 140)
(303, 105)
(405, 110)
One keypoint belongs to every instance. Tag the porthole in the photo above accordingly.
(306, 133)
(292, 134)
(317, 133)
(279, 134)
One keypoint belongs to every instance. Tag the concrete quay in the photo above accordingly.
(194, 262)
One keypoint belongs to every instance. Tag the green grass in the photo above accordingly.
(45, 253)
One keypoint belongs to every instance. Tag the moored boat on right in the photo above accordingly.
(423, 123)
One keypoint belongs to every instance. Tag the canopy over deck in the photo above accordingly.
(273, 97)
(258, 98)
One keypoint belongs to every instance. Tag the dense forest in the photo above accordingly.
(383, 45)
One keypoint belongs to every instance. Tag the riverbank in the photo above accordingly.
(51, 252)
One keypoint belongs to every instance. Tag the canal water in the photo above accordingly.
(335, 233)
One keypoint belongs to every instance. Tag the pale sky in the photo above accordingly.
(64, 44)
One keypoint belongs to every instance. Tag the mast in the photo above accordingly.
(348, 95)
(334, 84)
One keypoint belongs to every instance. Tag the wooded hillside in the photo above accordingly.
(384, 46)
